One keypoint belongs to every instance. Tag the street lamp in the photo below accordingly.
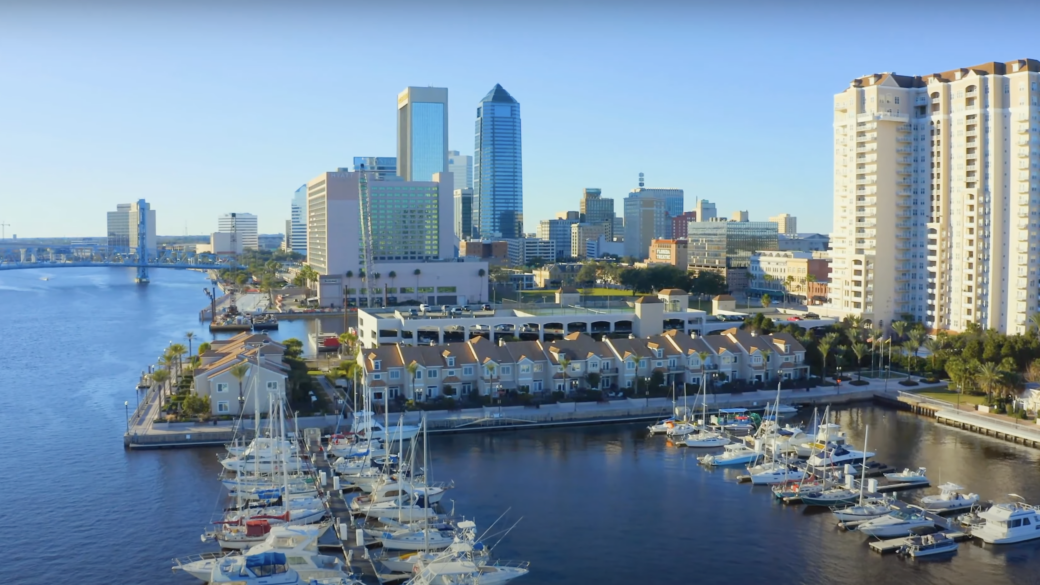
(126, 409)
(646, 390)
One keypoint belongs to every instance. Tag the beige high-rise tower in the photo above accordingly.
(936, 199)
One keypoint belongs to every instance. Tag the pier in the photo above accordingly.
(997, 426)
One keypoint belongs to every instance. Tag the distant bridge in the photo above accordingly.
(100, 256)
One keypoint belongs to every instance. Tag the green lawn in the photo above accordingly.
(951, 396)
(592, 292)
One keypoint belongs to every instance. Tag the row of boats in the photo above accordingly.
(820, 469)
(279, 505)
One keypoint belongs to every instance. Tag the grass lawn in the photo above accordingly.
(592, 292)
(951, 396)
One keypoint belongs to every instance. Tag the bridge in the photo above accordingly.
(89, 255)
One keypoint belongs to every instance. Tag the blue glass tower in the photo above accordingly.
(498, 190)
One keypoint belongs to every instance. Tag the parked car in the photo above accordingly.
(485, 307)
(455, 311)
(413, 312)
(811, 316)
(794, 318)
(424, 307)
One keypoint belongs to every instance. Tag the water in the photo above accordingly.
(598, 505)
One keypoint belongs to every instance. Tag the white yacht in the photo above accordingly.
(411, 509)
(682, 430)
(662, 426)
(838, 455)
(928, 545)
(466, 572)
(366, 426)
(265, 462)
(826, 434)
(949, 498)
(774, 472)
(867, 509)
(908, 476)
(270, 568)
(736, 454)
(298, 543)
(705, 440)
(894, 524)
(1008, 523)
(396, 489)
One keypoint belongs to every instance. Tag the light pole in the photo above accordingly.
(126, 409)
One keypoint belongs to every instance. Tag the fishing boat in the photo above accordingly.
(736, 454)
(270, 568)
(1008, 523)
(894, 524)
(837, 455)
(298, 543)
(949, 498)
(928, 545)
(908, 476)
(465, 572)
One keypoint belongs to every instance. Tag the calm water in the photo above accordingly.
(602, 505)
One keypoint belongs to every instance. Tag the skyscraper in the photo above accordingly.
(705, 210)
(786, 224)
(598, 210)
(124, 227)
(422, 133)
(119, 226)
(498, 194)
(461, 166)
(641, 229)
(935, 197)
(463, 213)
(297, 237)
(557, 231)
(380, 168)
(243, 225)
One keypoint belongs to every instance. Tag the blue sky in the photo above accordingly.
(203, 110)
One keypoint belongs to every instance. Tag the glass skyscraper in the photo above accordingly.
(422, 133)
(381, 168)
(498, 193)
(298, 225)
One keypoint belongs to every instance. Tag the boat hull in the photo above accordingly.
(916, 552)
(946, 505)
(892, 530)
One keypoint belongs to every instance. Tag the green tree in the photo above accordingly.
(189, 335)
(412, 368)
(195, 405)
(860, 350)
(766, 300)
(417, 272)
(565, 363)
(293, 348)
(899, 327)
(160, 377)
(204, 347)
(239, 371)
(588, 273)
(824, 347)
(934, 346)
(177, 350)
(989, 376)
(593, 379)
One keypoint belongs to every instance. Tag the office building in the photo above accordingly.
(596, 209)
(463, 213)
(297, 236)
(461, 166)
(729, 243)
(220, 243)
(785, 224)
(119, 227)
(494, 252)
(130, 225)
(601, 246)
(679, 224)
(705, 210)
(803, 242)
(422, 133)
(935, 202)
(270, 241)
(242, 226)
(572, 215)
(581, 233)
(646, 218)
(380, 168)
(558, 231)
(523, 251)
(671, 252)
(498, 190)
(790, 273)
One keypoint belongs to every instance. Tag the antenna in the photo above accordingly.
(640, 180)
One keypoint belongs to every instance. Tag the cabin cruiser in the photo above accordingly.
(928, 545)
(270, 568)
(867, 509)
(826, 434)
(466, 572)
(1008, 523)
(774, 472)
(949, 498)
(908, 476)
(894, 524)
(705, 440)
(298, 543)
(366, 426)
(838, 455)
(736, 454)
(662, 426)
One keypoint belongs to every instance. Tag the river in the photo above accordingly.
(601, 505)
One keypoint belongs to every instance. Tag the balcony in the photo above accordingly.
(904, 150)
(903, 202)
(1023, 153)
(904, 128)
(867, 181)
(1023, 128)
(904, 138)
(866, 148)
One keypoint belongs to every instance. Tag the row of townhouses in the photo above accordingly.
(575, 362)
(267, 374)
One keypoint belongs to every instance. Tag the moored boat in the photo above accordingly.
(949, 498)
(1008, 523)
(928, 545)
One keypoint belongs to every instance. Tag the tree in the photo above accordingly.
(917, 338)
(860, 350)
(177, 350)
(346, 289)
(824, 347)
(1034, 322)
(588, 273)
(989, 375)
(239, 371)
(482, 273)
(565, 363)
(195, 405)
(910, 350)
(349, 341)
(491, 376)
(392, 274)
(934, 346)
(417, 272)
(899, 327)
(204, 347)
(412, 368)
(293, 348)
(708, 283)
(765, 361)
(593, 379)
(160, 377)
(189, 335)
(788, 282)
(766, 300)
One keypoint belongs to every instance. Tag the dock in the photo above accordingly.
(893, 544)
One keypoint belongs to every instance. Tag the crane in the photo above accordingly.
(366, 235)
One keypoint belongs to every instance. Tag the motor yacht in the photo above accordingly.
(270, 568)
(774, 472)
(908, 476)
(298, 543)
(736, 454)
(949, 498)
(826, 434)
(1008, 523)
(466, 572)
(838, 455)
(894, 524)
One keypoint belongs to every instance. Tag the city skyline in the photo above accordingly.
(229, 136)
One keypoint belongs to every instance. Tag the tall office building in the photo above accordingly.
(461, 166)
(411, 221)
(936, 197)
(581, 233)
(596, 209)
(498, 190)
(786, 224)
(380, 168)
(243, 226)
(648, 216)
(705, 210)
(297, 237)
(558, 231)
(463, 213)
(729, 244)
(679, 223)
(124, 226)
(422, 133)
(741, 216)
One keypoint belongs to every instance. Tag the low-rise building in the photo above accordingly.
(601, 247)
(581, 233)
(787, 273)
(671, 252)
(267, 374)
(523, 251)
(495, 253)
(803, 242)
(555, 275)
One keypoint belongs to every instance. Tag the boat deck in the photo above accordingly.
(893, 544)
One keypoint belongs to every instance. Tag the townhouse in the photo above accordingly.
(266, 375)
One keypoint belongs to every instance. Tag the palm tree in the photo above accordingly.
(239, 371)
(910, 349)
(412, 368)
(160, 377)
(1034, 321)
(765, 360)
(766, 301)
(988, 376)
(177, 350)
(788, 283)
(934, 346)
(348, 340)
(417, 272)
(860, 349)
(346, 289)
(482, 273)
(565, 363)
(876, 341)
(824, 347)
(900, 329)
(190, 335)
(491, 375)
(392, 276)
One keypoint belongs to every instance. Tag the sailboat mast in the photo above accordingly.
(863, 472)
(426, 485)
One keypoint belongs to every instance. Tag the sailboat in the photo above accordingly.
(867, 508)
(778, 469)
(705, 439)
(841, 496)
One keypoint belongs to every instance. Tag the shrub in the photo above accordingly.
(907, 383)
(859, 383)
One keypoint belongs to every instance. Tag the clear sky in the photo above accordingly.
(204, 108)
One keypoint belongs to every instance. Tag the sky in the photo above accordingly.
(204, 108)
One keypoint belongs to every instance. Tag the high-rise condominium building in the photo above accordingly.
(557, 231)
(422, 133)
(785, 224)
(463, 213)
(936, 197)
(297, 237)
(706, 210)
(648, 215)
(242, 226)
(461, 166)
(128, 223)
(498, 189)
(380, 168)
(596, 209)
(410, 220)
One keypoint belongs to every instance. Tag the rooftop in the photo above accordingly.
(498, 95)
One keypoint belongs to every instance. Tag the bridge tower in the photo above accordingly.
(142, 243)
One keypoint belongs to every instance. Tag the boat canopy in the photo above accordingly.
(732, 410)
(265, 559)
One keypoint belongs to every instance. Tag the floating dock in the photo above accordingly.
(893, 544)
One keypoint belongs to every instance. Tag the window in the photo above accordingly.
(604, 365)
(538, 367)
(897, 99)
(418, 374)
(671, 362)
(525, 369)
(376, 364)
(222, 387)
(451, 372)
(377, 376)
(467, 371)
(395, 374)
(630, 365)
(377, 396)
(451, 361)
(272, 385)
(433, 374)
(507, 370)
(223, 406)
(467, 388)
